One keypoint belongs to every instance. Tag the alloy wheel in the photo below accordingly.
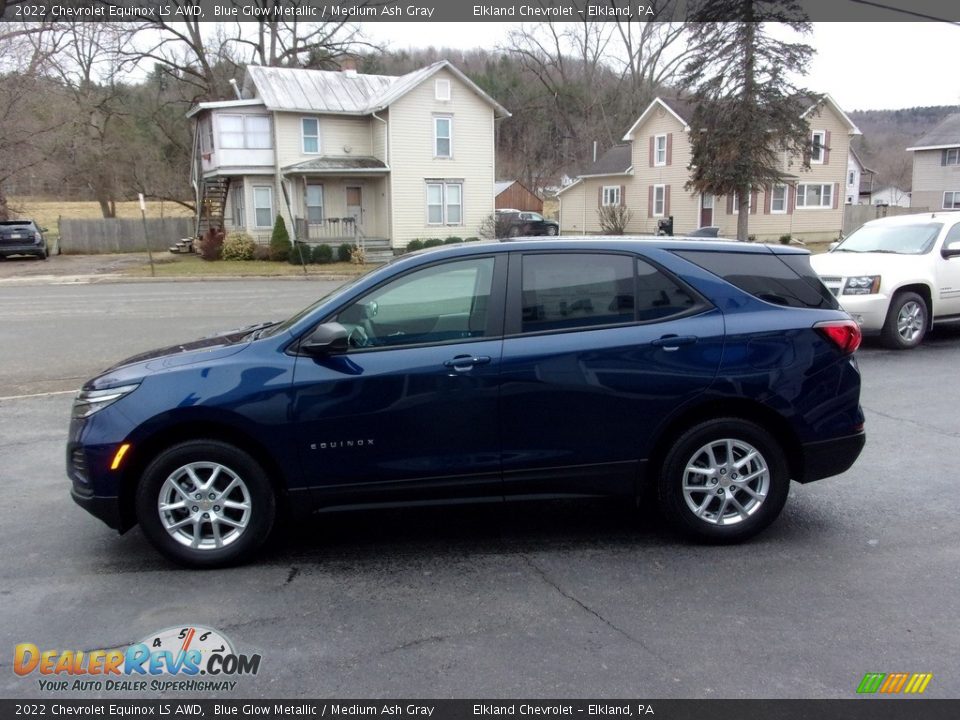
(725, 482)
(204, 505)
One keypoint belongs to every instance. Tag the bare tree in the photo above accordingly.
(25, 121)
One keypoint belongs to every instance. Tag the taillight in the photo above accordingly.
(845, 334)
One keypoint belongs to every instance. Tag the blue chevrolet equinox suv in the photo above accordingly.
(705, 374)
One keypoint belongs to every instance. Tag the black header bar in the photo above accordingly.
(173, 709)
(451, 10)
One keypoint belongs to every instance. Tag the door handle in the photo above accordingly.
(462, 363)
(669, 343)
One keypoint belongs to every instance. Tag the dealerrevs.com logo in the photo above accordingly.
(185, 658)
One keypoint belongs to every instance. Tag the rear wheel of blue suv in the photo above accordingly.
(708, 374)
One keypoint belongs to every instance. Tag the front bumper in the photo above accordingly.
(826, 458)
(870, 311)
(105, 508)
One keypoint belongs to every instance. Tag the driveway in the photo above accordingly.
(63, 266)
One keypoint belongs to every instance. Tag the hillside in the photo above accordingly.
(886, 134)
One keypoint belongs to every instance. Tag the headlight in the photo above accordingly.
(90, 401)
(862, 285)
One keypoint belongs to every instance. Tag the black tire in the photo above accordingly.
(907, 320)
(551, 230)
(203, 456)
(42, 256)
(514, 232)
(720, 521)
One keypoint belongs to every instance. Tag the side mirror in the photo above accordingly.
(951, 249)
(326, 339)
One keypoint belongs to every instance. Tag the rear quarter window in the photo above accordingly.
(786, 280)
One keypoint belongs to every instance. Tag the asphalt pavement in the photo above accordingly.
(559, 599)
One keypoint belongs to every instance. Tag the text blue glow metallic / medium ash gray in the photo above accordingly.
(710, 372)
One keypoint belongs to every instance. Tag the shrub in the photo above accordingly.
(414, 245)
(472, 238)
(211, 244)
(321, 254)
(614, 219)
(280, 240)
(453, 240)
(751, 238)
(494, 226)
(358, 256)
(299, 254)
(432, 242)
(261, 252)
(785, 239)
(238, 246)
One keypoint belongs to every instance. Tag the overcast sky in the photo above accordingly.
(864, 66)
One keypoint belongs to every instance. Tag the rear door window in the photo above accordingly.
(562, 291)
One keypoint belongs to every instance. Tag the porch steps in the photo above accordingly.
(377, 250)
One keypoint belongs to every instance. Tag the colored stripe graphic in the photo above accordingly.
(871, 682)
(918, 683)
(893, 683)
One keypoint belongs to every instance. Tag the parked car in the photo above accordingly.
(517, 223)
(22, 237)
(897, 276)
(710, 372)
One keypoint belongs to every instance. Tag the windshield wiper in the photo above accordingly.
(256, 330)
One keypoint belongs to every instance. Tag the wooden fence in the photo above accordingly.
(118, 235)
(856, 215)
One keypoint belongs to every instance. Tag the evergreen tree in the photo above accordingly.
(748, 112)
(280, 240)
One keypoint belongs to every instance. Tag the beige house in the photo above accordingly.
(347, 157)
(936, 167)
(647, 175)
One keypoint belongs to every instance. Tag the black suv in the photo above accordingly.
(22, 237)
(517, 223)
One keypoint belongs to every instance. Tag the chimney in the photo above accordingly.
(348, 65)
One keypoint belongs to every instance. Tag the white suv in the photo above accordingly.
(897, 275)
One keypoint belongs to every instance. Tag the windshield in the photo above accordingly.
(900, 239)
(289, 322)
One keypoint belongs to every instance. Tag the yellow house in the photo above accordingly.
(648, 174)
(346, 157)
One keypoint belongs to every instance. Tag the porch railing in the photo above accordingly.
(330, 230)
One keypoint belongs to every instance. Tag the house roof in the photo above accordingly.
(220, 104)
(676, 107)
(344, 92)
(500, 185)
(338, 164)
(942, 136)
(856, 159)
(828, 100)
(682, 109)
(618, 160)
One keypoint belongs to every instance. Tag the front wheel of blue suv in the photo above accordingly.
(724, 481)
(205, 503)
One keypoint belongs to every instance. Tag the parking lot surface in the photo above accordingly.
(562, 599)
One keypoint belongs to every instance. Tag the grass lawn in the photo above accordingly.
(168, 265)
(46, 212)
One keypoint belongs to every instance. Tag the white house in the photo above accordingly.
(891, 195)
(344, 156)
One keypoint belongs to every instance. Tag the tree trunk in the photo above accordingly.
(743, 217)
(4, 210)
